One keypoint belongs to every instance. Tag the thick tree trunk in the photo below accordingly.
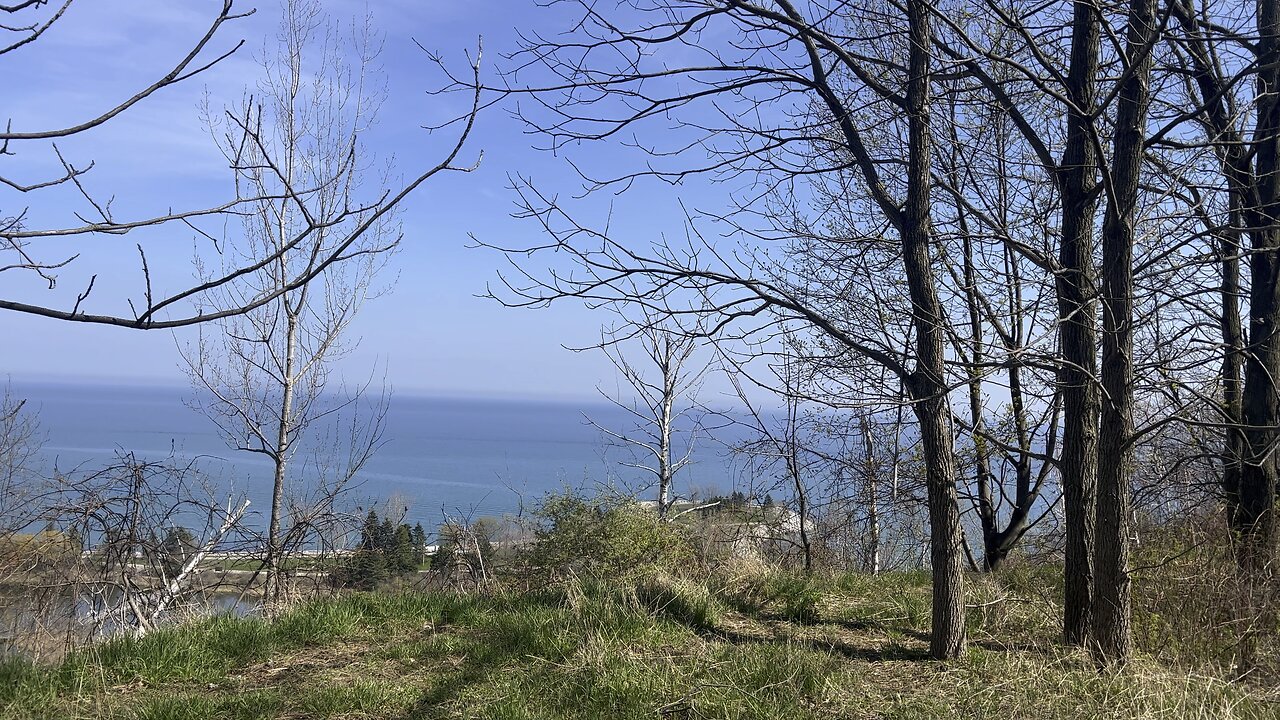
(1111, 632)
(928, 387)
(1252, 507)
(947, 638)
(1077, 323)
(1249, 401)
(1233, 348)
(1254, 515)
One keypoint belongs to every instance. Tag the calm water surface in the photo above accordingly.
(443, 455)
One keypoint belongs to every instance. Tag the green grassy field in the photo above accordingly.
(763, 646)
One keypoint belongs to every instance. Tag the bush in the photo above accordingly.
(47, 548)
(1187, 601)
(784, 594)
(466, 545)
(607, 538)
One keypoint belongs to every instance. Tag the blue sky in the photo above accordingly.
(432, 332)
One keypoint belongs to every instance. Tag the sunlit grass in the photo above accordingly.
(767, 646)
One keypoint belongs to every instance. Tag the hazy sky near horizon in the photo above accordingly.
(431, 333)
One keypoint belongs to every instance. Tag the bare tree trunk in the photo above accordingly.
(1233, 350)
(274, 580)
(802, 501)
(1248, 395)
(983, 477)
(947, 638)
(791, 455)
(1077, 326)
(265, 379)
(1255, 516)
(927, 385)
(1221, 126)
(1111, 631)
(670, 389)
(1006, 324)
(873, 506)
(657, 404)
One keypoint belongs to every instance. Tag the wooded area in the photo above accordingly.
(1030, 251)
(1061, 210)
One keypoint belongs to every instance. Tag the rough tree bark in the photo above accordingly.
(927, 385)
(1112, 638)
(1254, 514)
(1077, 328)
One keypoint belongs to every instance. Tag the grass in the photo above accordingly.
(765, 646)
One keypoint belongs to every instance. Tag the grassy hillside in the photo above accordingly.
(762, 646)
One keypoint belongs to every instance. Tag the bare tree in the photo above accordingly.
(871, 479)
(264, 376)
(20, 482)
(844, 98)
(1236, 197)
(167, 298)
(662, 411)
(125, 548)
(1001, 336)
(1077, 177)
(1112, 638)
(853, 87)
(779, 445)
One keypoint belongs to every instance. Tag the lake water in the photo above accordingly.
(451, 456)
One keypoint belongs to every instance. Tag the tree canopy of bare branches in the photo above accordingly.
(1047, 205)
(264, 376)
(167, 298)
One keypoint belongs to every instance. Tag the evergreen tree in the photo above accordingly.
(385, 551)
(420, 543)
(369, 533)
(385, 538)
(401, 559)
(368, 570)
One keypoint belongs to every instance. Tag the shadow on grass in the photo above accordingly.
(878, 626)
(504, 642)
(512, 631)
(894, 653)
(449, 688)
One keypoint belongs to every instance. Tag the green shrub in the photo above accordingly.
(796, 597)
(610, 538)
(1187, 600)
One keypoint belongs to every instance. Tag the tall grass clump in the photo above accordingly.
(685, 601)
(1188, 602)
